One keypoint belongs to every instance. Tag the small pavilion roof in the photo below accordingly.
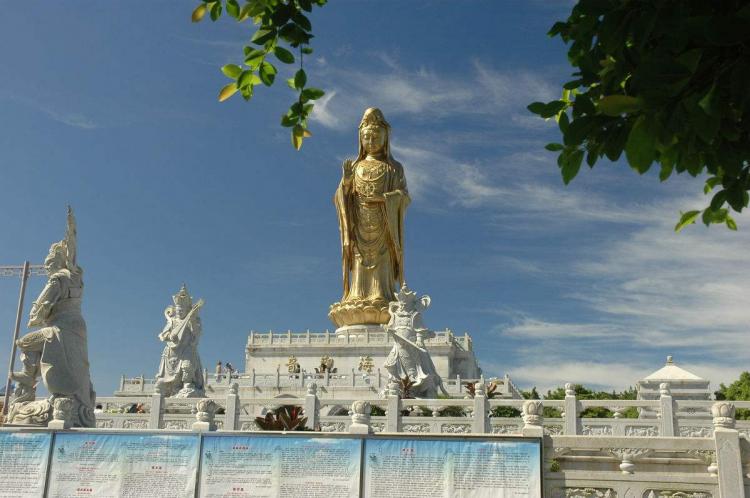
(671, 372)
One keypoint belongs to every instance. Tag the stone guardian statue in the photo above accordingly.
(180, 372)
(371, 202)
(58, 349)
(409, 357)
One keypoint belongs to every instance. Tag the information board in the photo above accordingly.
(429, 468)
(280, 467)
(23, 463)
(123, 465)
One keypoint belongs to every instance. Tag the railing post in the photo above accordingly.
(289, 336)
(393, 408)
(353, 378)
(205, 377)
(312, 407)
(380, 381)
(728, 452)
(458, 384)
(328, 378)
(204, 416)
(666, 411)
(533, 418)
(253, 378)
(361, 418)
(143, 383)
(278, 377)
(270, 337)
(308, 336)
(481, 423)
(232, 411)
(156, 417)
(570, 415)
(122, 382)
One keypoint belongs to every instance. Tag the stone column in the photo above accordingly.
(361, 418)
(728, 453)
(533, 418)
(232, 416)
(666, 411)
(156, 416)
(312, 407)
(481, 424)
(570, 417)
(206, 411)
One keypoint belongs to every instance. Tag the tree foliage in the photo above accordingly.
(739, 390)
(666, 82)
(597, 412)
(277, 23)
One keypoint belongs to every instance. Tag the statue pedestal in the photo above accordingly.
(359, 330)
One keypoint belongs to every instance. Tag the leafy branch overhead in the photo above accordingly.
(666, 82)
(278, 23)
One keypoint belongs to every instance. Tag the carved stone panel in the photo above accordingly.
(584, 493)
(596, 430)
(671, 493)
(416, 428)
(641, 430)
(695, 431)
(456, 428)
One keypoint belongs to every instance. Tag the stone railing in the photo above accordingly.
(281, 380)
(582, 458)
(275, 339)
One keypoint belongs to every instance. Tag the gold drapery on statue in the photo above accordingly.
(371, 202)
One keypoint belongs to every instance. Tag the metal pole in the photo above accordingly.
(19, 312)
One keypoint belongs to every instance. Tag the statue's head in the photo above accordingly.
(55, 260)
(182, 302)
(374, 133)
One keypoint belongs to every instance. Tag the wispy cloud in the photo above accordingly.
(70, 118)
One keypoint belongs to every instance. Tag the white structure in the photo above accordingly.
(683, 385)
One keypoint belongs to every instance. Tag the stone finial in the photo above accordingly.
(664, 389)
(479, 389)
(669, 360)
(723, 413)
(205, 410)
(393, 389)
(312, 389)
(234, 389)
(360, 413)
(532, 411)
(569, 389)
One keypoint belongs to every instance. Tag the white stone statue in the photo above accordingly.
(58, 349)
(180, 372)
(409, 358)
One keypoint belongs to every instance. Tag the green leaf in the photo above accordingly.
(572, 166)
(686, 219)
(553, 147)
(233, 8)
(267, 73)
(302, 21)
(227, 91)
(640, 148)
(306, 5)
(283, 55)
(199, 12)
(665, 172)
(709, 101)
(288, 121)
(300, 79)
(255, 57)
(553, 108)
(247, 78)
(731, 224)
(307, 50)
(537, 107)
(215, 11)
(263, 35)
(312, 93)
(231, 71)
(615, 105)
(298, 134)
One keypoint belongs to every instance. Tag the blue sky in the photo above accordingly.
(111, 107)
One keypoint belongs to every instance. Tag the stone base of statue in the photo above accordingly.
(362, 330)
(359, 311)
(190, 391)
(40, 412)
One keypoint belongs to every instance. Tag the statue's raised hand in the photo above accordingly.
(347, 168)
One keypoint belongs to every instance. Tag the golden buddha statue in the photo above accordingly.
(371, 202)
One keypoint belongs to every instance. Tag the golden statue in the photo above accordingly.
(371, 202)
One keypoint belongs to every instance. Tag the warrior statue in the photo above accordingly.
(409, 357)
(371, 202)
(180, 371)
(58, 349)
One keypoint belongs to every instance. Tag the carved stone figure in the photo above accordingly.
(371, 202)
(180, 372)
(58, 350)
(409, 357)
